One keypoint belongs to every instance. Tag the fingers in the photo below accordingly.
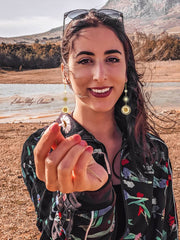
(70, 155)
(66, 167)
(80, 169)
(94, 175)
(43, 147)
(81, 164)
(59, 139)
(54, 158)
(83, 170)
(87, 171)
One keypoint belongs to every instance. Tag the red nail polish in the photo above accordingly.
(89, 149)
(77, 138)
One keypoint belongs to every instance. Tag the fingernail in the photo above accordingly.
(77, 137)
(89, 149)
(54, 127)
(83, 143)
(50, 127)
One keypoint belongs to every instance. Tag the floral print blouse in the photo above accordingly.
(150, 211)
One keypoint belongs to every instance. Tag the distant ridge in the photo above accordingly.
(52, 36)
(147, 16)
(143, 8)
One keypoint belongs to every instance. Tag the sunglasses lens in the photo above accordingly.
(111, 13)
(81, 13)
(77, 13)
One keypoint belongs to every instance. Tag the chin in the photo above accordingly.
(103, 109)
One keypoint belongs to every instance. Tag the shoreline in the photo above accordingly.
(156, 71)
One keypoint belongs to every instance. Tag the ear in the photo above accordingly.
(64, 74)
(62, 71)
(62, 67)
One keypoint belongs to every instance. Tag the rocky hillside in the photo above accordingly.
(149, 16)
(143, 8)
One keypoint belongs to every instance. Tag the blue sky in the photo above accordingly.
(25, 17)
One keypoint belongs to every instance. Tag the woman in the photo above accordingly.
(102, 175)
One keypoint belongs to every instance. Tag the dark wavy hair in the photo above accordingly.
(134, 126)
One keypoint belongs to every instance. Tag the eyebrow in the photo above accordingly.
(113, 51)
(92, 54)
(85, 53)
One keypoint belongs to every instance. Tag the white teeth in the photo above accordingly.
(100, 90)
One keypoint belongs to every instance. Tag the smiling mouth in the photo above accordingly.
(100, 92)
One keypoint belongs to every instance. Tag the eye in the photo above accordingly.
(112, 59)
(85, 61)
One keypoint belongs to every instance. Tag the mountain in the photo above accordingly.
(147, 16)
(52, 36)
(142, 8)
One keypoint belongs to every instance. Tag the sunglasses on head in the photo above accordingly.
(81, 13)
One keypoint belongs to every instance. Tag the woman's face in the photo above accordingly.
(97, 69)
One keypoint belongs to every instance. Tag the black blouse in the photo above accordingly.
(120, 213)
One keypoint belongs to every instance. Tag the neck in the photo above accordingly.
(101, 124)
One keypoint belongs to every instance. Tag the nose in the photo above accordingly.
(99, 72)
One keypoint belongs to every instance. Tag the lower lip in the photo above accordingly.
(101, 95)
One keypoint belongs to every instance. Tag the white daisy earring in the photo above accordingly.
(65, 123)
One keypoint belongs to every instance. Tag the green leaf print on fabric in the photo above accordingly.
(139, 202)
(133, 236)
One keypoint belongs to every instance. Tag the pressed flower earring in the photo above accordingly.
(65, 108)
(66, 81)
(126, 109)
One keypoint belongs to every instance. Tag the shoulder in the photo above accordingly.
(160, 154)
(156, 139)
(157, 145)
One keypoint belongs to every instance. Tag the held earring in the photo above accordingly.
(65, 108)
(126, 109)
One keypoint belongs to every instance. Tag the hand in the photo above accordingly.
(70, 167)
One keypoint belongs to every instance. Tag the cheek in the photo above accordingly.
(80, 72)
(119, 77)
(79, 79)
(79, 86)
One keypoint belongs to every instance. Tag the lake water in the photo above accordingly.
(40, 102)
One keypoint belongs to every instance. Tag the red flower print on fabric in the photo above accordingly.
(124, 162)
(140, 210)
(169, 179)
(140, 194)
(171, 220)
